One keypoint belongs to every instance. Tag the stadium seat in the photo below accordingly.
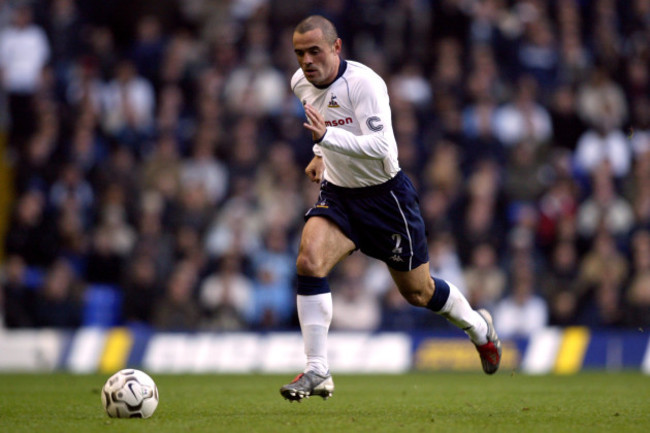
(102, 305)
(34, 277)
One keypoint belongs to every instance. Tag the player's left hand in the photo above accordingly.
(316, 122)
(315, 169)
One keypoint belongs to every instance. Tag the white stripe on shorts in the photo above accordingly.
(406, 226)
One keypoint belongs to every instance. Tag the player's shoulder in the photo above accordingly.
(358, 72)
(361, 75)
(359, 69)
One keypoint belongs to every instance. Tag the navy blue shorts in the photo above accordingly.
(383, 221)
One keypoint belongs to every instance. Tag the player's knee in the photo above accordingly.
(309, 265)
(416, 298)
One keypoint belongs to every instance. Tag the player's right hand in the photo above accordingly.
(315, 123)
(315, 169)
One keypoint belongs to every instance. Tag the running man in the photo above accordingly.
(365, 203)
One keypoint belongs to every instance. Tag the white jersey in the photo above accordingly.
(359, 147)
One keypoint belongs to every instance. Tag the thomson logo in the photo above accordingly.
(338, 122)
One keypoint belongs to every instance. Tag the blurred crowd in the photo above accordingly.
(157, 153)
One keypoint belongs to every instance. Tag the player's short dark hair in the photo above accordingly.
(318, 22)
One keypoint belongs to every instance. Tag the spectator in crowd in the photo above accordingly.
(567, 125)
(119, 169)
(538, 54)
(525, 180)
(192, 208)
(255, 88)
(410, 85)
(480, 211)
(480, 140)
(83, 90)
(104, 263)
(148, 48)
(188, 247)
(602, 145)
(357, 307)
(637, 189)
(122, 236)
(152, 238)
(128, 106)
(177, 309)
(226, 296)
(202, 170)
(273, 267)
(558, 207)
(58, 302)
(71, 189)
(639, 133)
(24, 52)
(604, 207)
(443, 175)
(524, 118)
(277, 186)
(30, 234)
(559, 283)
(603, 270)
(141, 290)
(637, 294)
(522, 312)
(576, 60)
(65, 31)
(16, 298)
(601, 101)
(35, 169)
(162, 167)
(86, 149)
(484, 279)
(236, 227)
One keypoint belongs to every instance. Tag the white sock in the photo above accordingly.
(315, 315)
(458, 311)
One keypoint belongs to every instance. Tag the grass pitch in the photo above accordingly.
(435, 402)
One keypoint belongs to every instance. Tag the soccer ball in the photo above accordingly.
(130, 393)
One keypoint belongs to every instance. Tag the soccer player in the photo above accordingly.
(365, 203)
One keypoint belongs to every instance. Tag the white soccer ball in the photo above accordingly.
(130, 393)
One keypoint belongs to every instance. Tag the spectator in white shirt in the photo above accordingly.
(521, 313)
(523, 118)
(24, 51)
(128, 103)
(600, 145)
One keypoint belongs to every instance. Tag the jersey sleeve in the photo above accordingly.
(370, 101)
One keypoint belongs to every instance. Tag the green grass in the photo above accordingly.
(436, 402)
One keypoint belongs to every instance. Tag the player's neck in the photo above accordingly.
(342, 66)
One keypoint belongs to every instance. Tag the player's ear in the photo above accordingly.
(337, 45)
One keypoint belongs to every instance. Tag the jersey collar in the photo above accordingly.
(343, 65)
